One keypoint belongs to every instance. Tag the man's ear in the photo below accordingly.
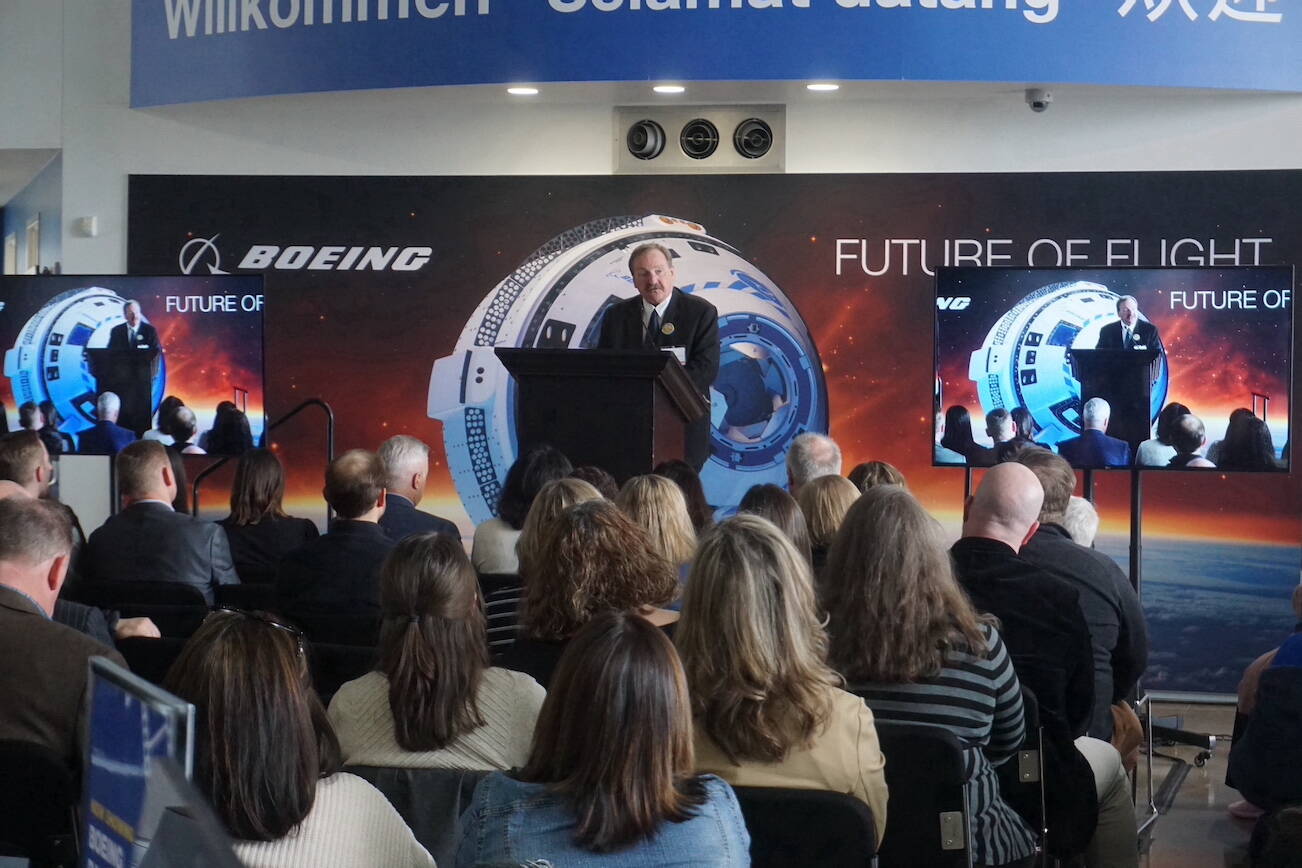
(57, 573)
(168, 479)
(417, 481)
(384, 494)
(1035, 525)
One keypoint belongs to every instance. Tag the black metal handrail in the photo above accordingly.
(216, 465)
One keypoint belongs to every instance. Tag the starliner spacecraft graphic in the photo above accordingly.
(1023, 360)
(770, 385)
(48, 360)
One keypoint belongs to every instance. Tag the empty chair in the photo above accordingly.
(36, 805)
(1021, 779)
(806, 827)
(430, 800)
(117, 594)
(929, 824)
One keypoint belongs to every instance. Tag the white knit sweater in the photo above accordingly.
(351, 825)
(508, 702)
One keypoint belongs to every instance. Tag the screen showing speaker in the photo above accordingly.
(95, 362)
(1156, 368)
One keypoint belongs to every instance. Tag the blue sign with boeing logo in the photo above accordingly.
(192, 50)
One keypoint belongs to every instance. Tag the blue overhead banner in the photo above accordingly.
(193, 50)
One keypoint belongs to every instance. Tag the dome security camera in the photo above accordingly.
(1038, 99)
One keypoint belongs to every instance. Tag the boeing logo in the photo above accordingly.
(203, 252)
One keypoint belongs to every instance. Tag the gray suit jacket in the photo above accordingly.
(149, 542)
(43, 677)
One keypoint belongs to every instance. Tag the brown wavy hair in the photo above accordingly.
(592, 559)
(873, 473)
(262, 736)
(433, 641)
(614, 736)
(825, 500)
(774, 503)
(551, 500)
(259, 488)
(752, 644)
(893, 604)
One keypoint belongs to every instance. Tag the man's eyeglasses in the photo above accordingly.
(270, 622)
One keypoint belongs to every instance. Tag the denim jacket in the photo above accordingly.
(511, 822)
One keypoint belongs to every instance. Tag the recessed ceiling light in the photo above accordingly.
(669, 88)
(822, 87)
(522, 91)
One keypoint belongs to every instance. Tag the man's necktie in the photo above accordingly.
(1130, 339)
(652, 326)
(131, 336)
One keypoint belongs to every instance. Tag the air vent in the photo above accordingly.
(753, 138)
(646, 139)
(681, 139)
(699, 138)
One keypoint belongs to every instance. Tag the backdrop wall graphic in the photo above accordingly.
(383, 293)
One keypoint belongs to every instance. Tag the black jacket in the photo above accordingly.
(336, 574)
(402, 519)
(1266, 762)
(257, 548)
(1111, 336)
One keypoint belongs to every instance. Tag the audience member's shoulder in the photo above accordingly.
(512, 682)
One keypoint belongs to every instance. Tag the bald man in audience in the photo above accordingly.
(406, 466)
(1118, 634)
(42, 663)
(1086, 789)
(148, 541)
(810, 456)
(337, 574)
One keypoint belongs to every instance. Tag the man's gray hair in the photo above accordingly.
(1126, 298)
(647, 248)
(130, 302)
(1080, 520)
(812, 455)
(1096, 413)
(108, 404)
(400, 453)
(33, 531)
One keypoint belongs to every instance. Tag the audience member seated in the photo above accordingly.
(771, 502)
(906, 639)
(148, 541)
(493, 547)
(337, 574)
(689, 482)
(870, 473)
(267, 759)
(1080, 521)
(161, 430)
(1235, 421)
(824, 503)
(598, 479)
(54, 425)
(1247, 446)
(1041, 622)
(1024, 433)
(768, 711)
(42, 664)
(1118, 634)
(611, 777)
(31, 418)
(406, 466)
(219, 413)
(230, 433)
(258, 529)
(433, 701)
(810, 456)
(1189, 437)
(958, 438)
(184, 429)
(592, 559)
(658, 505)
(1265, 760)
(180, 503)
(1003, 433)
(940, 453)
(1159, 451)
(106, 436)
(502, 607)
(1094, 448)
(25, 462)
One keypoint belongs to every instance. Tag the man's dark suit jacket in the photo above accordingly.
(146, 337)
(337, 574)
(1095, 449)
(149, 542)
(43, 677)
(695, 328)
(88, 620)
(257, 548)
(105, 438)
(1110, 336)
(1118, 634)
(402, 519)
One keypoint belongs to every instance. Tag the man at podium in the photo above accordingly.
(1130, 332)
(135, 333)
(663, 317)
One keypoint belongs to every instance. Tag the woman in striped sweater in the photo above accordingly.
(906, 639)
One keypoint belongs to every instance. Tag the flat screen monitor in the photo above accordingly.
(1156, 368)
(68, 340)
(132, 725)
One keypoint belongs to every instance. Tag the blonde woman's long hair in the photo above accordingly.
(752, 643)
(825, 500)
(658, 505)
(550, 502)
(893, 604)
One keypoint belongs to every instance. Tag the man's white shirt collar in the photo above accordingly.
(659, 308)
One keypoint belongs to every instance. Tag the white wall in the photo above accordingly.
(31, 73)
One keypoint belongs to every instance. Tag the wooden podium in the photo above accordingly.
(1123, 378)
(621, 410)
(129, 374)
